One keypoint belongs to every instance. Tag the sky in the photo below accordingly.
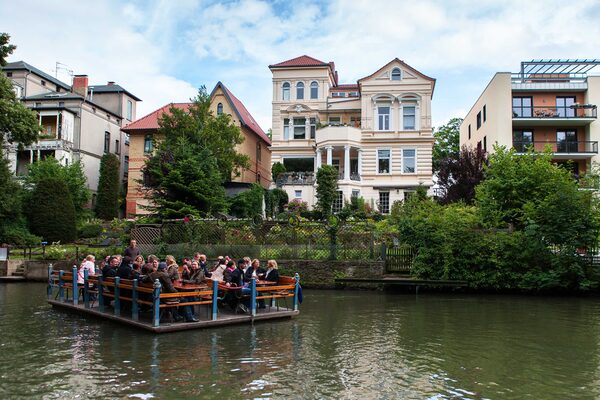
(164, 50)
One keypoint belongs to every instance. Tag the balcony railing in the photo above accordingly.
(295, 178)
(574, 111)
(565, 147)
(353, 176)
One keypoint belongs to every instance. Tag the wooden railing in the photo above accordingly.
(137, 293)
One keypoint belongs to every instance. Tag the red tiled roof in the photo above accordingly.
(243, 114)
(302, 61)
(150, 121)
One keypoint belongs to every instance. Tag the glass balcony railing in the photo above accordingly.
(562, 146)
(573, 111)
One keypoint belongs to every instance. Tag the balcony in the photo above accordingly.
(575, 115)
(337, 135)
(545, 82)
(295, 178)
(353, 176)
(561, 149)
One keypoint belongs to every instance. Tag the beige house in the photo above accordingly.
(547, 103)
(80, 122)
(377, 132)
(256, 146)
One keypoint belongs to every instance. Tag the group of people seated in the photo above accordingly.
(195, 270)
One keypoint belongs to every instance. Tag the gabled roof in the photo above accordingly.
(22, 65)
(150, 121)
(114, 88)
(242, 112)
(302, 61)
(405, 65)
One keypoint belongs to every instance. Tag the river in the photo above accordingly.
(344, 344)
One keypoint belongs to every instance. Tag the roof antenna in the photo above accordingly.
(62, 67)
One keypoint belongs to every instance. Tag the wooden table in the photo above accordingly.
(189, 287)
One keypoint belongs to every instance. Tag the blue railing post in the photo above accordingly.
(50, 281)
(156, 307)
(75, 288)
(61, 286)
(296, 289)
(134, 301)
(117, 294)
(86, 293)
(215, 299)
(100, 294)
(253, 297)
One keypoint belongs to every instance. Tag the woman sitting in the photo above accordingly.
(272, 274)
(196, 275)
(172, 268)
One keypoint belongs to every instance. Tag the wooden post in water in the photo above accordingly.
(117, 294)
(215, 299)
(50, 281)
(156, 307)
(86, 293)
(296, 290)
(134, 301)
(100, 294)
(75, 288)
(253, 297)
(61, 286)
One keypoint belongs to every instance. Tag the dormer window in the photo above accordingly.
(285, 95)
(396, 74)
(219, 108)
(299, 91)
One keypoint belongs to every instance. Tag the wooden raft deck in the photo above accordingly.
(225, 317)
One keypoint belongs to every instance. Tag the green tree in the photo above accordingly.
(18, 124)
(72, 175)
(446, 143)
(248, 204)
(195, 157)
(51, 211)
(276, 169)
(327, 177)
(107, 202)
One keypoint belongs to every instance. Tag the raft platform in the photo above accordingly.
(144, 306)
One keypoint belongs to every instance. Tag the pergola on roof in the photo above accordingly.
(558, 66)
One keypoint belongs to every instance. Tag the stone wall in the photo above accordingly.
(38, 270)
(321, 274)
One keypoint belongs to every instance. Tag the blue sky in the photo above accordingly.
(164, 50)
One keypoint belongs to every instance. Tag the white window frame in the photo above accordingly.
(293, 130)
(300, 85)
(286, 129)
(404, 106)
(339, 122)
(283, 90)
(377, 161)
(314, 85)
(355, 193)
(297, 194)
(392, 74)
(390, 116)
(130, 110)
(403, 158)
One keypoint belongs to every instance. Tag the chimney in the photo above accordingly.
(110, 83)
(80, 85)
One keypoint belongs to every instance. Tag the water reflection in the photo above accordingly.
(343, 345)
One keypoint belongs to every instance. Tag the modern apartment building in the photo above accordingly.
(377, 132)
(80, 122)
(548, 103)
(256, 145)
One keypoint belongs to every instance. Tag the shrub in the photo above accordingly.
(51, 211)
(297, 206)
(107, 202)
(19, 235)
(90, 231)
(276, 169)
(248, 204)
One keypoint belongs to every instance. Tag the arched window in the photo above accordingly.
(396, 74)
(314, 90)
(286, 91)
(299, 91)
(219, 108)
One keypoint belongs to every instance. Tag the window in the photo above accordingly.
(61, 103)
(286, 129)
(148, 144)
(258, 178)
(352, 94)
(285, 91)
(522, 107)
(384, 161)
(129, 110)
(396, 74)
(117, 147)
(338, 94)
(9, 74)
(408, 194)
(485, 143)
(299, 91)
(563, 107)
(355, 193)
(469, 131)
(43, 83)
(219, 108)
(409, 118)
(298, 194)
(126, 166)
(38, 104)
(479, 120)
(566, 141)
(484, 113)
(383, 118)
(313, 128)
(106, 142)
(258, 152)
(409, 162)
(335, 121)
(384, 202)
(355, 121)
(299, 128)
(338, 202)
(314, 90)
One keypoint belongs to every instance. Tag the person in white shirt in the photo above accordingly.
(89, 265)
